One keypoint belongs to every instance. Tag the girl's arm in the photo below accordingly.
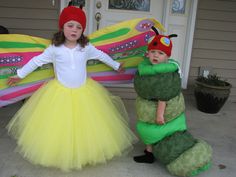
(34, 63)
(94, 53)
(44, 58)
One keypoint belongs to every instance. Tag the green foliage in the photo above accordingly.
(212, 79)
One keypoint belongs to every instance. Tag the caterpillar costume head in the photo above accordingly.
(161, 42)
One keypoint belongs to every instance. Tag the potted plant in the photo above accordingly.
(211, 93)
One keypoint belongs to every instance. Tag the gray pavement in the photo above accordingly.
(219, 130)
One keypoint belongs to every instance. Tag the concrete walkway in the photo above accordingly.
(219, 130)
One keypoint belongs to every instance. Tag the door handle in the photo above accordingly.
(99, 4)
(98, 17)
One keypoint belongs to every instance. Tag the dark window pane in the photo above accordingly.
(139, 5)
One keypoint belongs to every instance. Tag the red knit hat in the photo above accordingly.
(161, 42)
(72, 13)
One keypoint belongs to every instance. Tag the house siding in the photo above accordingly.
(214, 43)
(31, 17)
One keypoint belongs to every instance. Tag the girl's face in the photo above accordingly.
(72, 31)
(157, 56)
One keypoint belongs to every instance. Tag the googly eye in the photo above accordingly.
(165, 41)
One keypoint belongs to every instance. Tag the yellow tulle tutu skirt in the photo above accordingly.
(70, 128)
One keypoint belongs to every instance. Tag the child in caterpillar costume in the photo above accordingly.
(72, 120)
(160, 109)
(159, 51)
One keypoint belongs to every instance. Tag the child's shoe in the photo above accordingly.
(148, 157)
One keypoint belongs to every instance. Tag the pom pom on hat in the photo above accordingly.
(161, 42)
(72, 13)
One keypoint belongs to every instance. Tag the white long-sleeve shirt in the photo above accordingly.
(69, 64)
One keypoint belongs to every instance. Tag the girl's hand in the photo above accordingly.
(121, 68)
(13, 80)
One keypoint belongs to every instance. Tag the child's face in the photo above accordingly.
(157, 56)
(72, 31)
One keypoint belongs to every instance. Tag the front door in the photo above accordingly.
(108, 12)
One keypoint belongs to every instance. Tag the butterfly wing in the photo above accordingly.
(15, 51)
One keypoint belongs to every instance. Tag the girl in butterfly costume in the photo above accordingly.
(71, 121)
